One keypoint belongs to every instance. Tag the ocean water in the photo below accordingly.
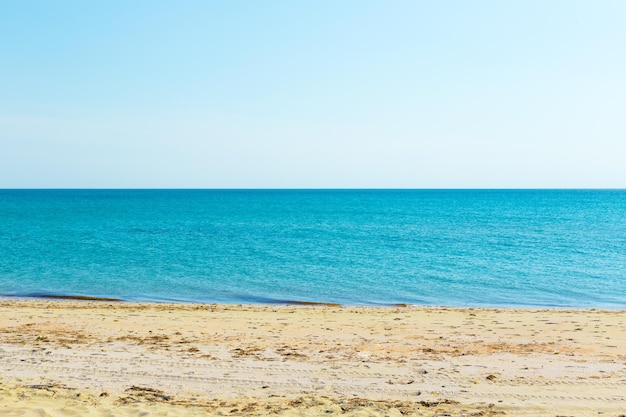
(538, 248)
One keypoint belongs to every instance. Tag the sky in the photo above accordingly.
(313, 94)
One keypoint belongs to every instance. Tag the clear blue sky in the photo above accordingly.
(419, 94)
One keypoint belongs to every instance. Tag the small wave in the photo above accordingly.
(63, 297)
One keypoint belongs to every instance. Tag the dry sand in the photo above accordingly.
(64, 358)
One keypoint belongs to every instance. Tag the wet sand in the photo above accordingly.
(71, 358)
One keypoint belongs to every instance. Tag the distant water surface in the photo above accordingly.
(540, 248)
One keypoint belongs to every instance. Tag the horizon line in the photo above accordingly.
(319, 188)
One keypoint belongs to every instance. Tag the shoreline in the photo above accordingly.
(54, 298)
(289, 302)
(309, 359)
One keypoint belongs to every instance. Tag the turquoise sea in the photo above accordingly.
(538, 248)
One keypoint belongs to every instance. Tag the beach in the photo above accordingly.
(66, 358)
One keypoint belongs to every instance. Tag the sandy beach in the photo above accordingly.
(71, 358)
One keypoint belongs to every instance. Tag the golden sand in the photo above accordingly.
(69, 358)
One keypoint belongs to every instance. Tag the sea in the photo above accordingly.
(464, 248)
